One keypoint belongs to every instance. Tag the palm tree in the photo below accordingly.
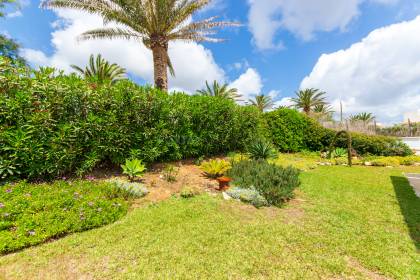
(101, 70)
(307, 99)
(220, 90)
(262, 102)
(366, 118)
(153, 22)
(323, 112)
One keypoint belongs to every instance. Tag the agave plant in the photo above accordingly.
(101, 70)
(261, 149)
(262, 102)
(307, 99)
(155, 23)
(220, 90)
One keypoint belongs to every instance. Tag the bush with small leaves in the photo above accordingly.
(250, 196)
(131, 189)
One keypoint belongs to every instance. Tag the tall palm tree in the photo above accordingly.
(101, 70)
(307, 99)
(364, 117)
(153, 22)
(220, 90)
(323, 112)
(262, 102)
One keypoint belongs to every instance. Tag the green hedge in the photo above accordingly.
(53, 125)
(292, 131)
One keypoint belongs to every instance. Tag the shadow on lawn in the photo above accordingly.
(410, 207)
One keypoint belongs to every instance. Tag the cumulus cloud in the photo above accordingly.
(194, 64)
(248, 84)
(380, 74)
(301, 17)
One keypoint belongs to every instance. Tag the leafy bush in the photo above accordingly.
(215, 168)
(385, 161)
(251, 196)
(261, 149)
(131, 189)
(409, 160)
(53, 124)
(32, 214)
(275, 183)
(133, 168)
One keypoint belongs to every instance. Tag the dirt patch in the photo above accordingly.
(353, 263)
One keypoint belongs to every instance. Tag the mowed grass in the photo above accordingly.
(346, 223)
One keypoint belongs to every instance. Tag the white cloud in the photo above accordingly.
(301, 17)
(193, 63)
(380, 74)
(248, 84)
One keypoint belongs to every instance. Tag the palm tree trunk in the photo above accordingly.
(160, 62)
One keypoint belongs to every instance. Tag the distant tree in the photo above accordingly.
(10, 49)
(262, 102)
(101, 70)
(155, 23)
(3, 4)
(220, 90)
(323, 112)
(366, 118)
(307, 99)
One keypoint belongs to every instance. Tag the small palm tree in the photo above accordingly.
(101, 70)
(262, 102)
(155, 23)
(323, 112)
(220, 90)
(307, 99)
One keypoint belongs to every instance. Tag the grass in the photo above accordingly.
(346, 223)
(33, 213)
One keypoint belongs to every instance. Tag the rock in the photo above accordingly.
(367, 163)
(226, 196)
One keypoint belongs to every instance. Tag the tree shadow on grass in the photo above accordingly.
(410, 207)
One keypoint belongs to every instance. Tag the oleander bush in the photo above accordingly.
(53, 124)
(275, 183)
(34, 213)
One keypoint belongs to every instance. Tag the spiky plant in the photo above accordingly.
(101, 70)
(307, 99)
(219, 90)
(262, 102)
(153, 22)
(261, 149)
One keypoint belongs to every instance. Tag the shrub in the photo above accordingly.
(409, 160)
(170, 172)
(188, 192)
(261, 149)
(133, 168)
(251, 196)
(215, 168)
(275, 183)
(385, 161)
(32, 214)
(131, 189)
(53, 124)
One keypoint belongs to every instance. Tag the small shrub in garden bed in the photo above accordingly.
(215, 168)
(31, 214)
(275, 183)
(131, 189)
(188, 192)
(251, 196)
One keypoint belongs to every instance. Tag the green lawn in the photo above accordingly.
(346, 223)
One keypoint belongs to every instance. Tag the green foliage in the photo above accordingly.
(339, 153)
(32, 214)
(250, 195)
(385, 161)
(261, 149)
(215, 168)
(53, 124)
(218, 90)
(133, 168)
(131, 189)
(308, 99)
(189, 192)
(170, 172)
(275, 183)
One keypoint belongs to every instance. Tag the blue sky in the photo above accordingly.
(280, 44)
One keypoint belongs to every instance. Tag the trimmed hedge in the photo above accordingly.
(292, 131)
(53, 125)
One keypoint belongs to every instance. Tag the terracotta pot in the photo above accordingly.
(224, 183)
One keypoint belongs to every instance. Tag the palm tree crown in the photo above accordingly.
(262, 102)
(307, 99)
(153, 22)
(220, 90)
(101, 70)
(364, 117)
